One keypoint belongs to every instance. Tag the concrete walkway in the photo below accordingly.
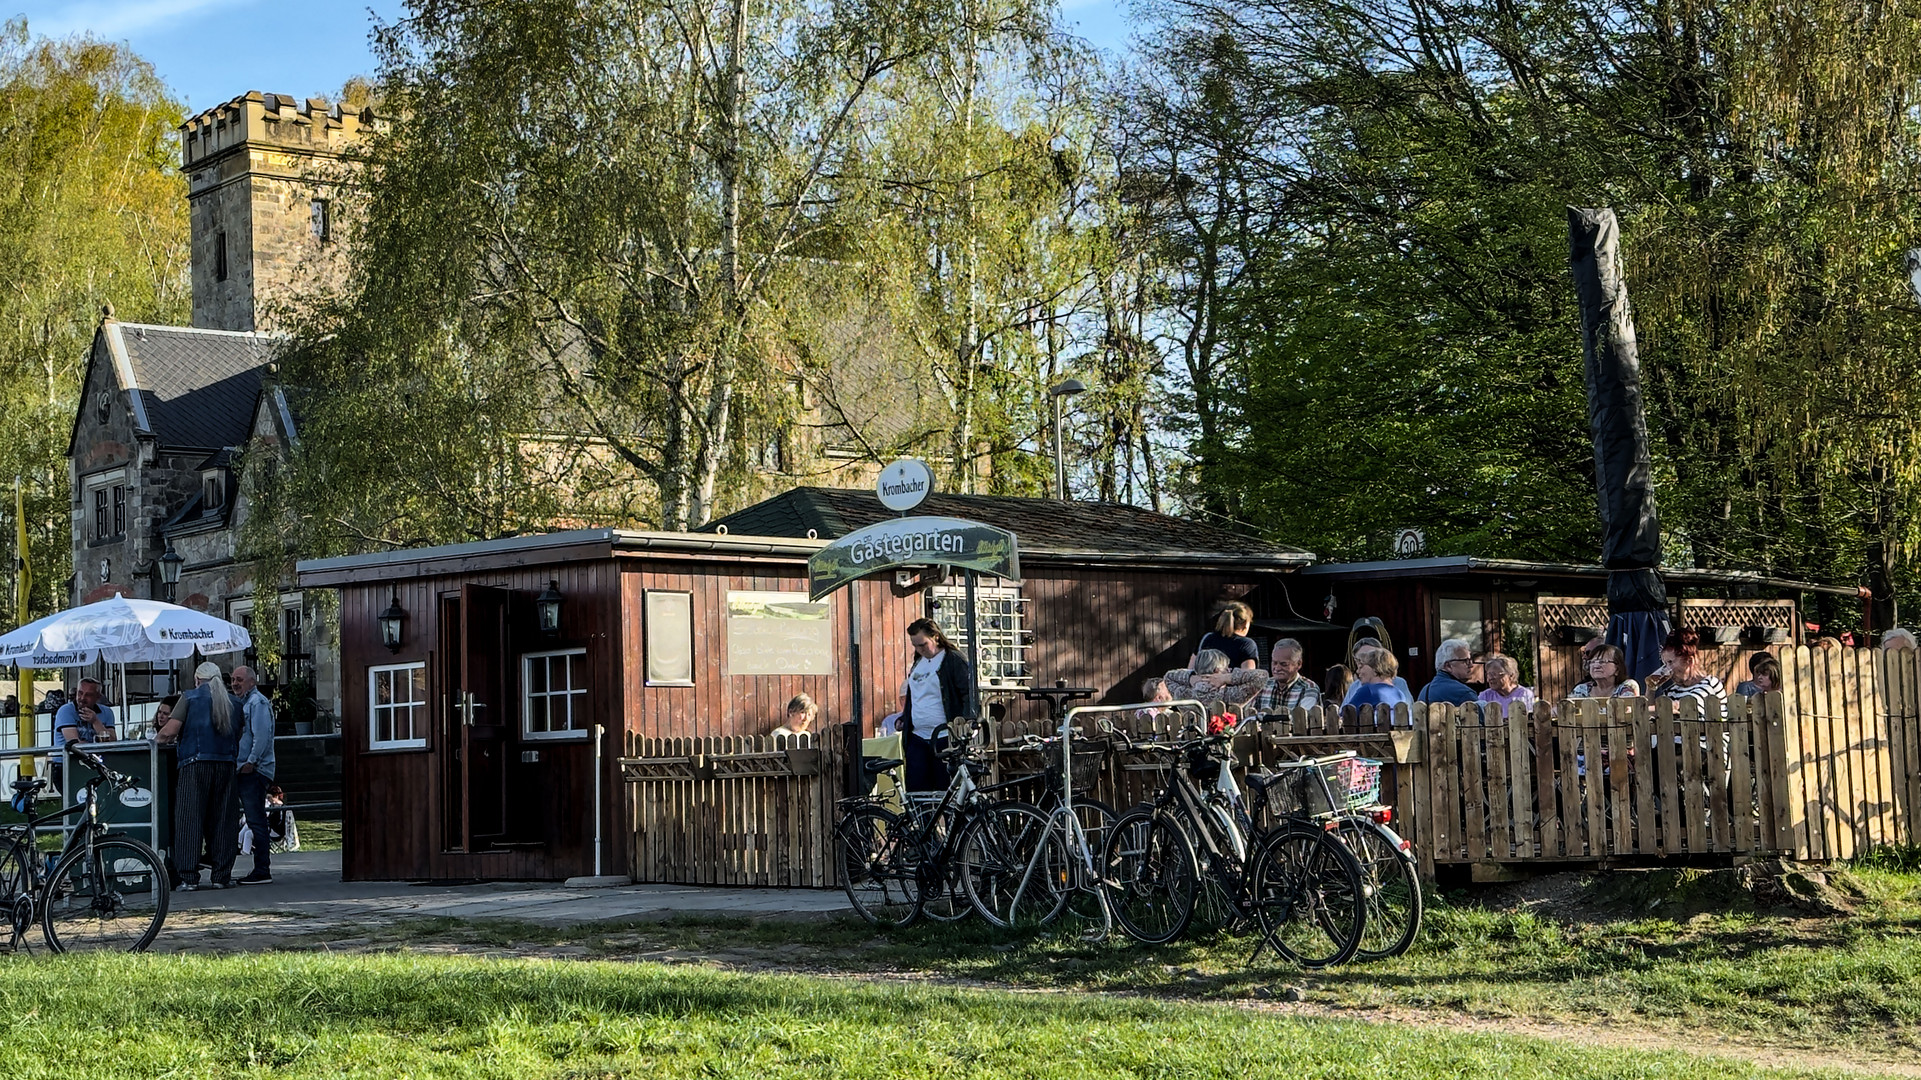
(307, 886)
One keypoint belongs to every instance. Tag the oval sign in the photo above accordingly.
(904, 484)
(135, 798)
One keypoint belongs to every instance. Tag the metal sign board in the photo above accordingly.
(904, 485)
(913, 541)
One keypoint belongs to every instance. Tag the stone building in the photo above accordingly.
(165, 411)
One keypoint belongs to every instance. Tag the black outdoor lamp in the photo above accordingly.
(547, 607)
(391, 621)
(170, 564)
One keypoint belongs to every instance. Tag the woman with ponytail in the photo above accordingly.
(206, 723)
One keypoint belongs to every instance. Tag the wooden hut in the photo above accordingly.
(471, 731)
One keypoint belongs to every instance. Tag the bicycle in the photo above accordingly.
(105, 890)
(899, 865)
(1341, 792)
(1023, 880)
(1302, 887)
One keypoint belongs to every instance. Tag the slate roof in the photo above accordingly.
(1105, 532)
(197, 388)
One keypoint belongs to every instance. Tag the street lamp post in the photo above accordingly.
(170, 570)
(1065, 389)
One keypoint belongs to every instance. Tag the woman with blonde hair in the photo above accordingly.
(1229, 635)
(1375, 670)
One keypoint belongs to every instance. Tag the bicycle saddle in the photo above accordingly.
(29, 783)
(1263, 781)
(880, 764)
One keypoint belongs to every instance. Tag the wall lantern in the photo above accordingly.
(391, 621)
(170, 564)
(547, 606)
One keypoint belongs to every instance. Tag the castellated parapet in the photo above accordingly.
(266, 176)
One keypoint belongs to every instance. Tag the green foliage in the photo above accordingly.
(92, 212)
(1365, 218)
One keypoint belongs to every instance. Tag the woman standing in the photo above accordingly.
(938, 688)
(1230, 637)
(207, 722)
(1606, 671)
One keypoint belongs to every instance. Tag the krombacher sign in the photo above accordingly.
(913, 541)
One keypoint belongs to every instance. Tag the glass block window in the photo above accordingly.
(1003, 617)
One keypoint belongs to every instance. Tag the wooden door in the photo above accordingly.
(487, 718)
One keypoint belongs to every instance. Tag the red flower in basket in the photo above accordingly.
(1219, 725)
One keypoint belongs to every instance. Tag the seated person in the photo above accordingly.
(1764, 674)
(1288, 689)
(1504, 685)
(801, 714)
(1375, 643)
(82, 720)
(1153, 692)
(1375, 671)
(1606, 675)
(282, 833)
(1211, 678)
(1452, 663)
(1337, 683)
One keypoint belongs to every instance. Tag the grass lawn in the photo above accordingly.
(1842, 984)
(407, 1014)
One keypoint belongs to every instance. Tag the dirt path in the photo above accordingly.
(227, 932)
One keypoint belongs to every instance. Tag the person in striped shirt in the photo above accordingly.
(1681, 675)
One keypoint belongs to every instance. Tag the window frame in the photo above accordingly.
(570, 694)
(374, 742)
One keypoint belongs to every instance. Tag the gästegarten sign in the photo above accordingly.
(913, 541)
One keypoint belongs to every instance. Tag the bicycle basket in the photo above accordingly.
(1090, 760)
(1299, 792)
(1356, 781)
(1203, 764)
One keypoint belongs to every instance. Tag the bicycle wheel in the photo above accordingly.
(879, 866)
(1013, 866)
(1394, 901)
(110, 897)
(16, 893)
(1307, 895)
(1097, 819)
(1150, 876)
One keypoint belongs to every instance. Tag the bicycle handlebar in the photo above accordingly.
(105, 773)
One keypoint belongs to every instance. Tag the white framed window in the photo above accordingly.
(397, 706)
(1002, 613)
(554, 694)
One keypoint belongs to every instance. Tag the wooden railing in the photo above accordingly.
(734, 811)
(1823, 769)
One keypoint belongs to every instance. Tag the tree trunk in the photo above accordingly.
(726, 365)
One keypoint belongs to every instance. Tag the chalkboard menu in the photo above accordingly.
(778, 633)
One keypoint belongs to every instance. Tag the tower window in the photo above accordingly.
(322, 220)
(220, 255)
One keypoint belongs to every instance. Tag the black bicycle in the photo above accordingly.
(104, 891)
(1302, 887)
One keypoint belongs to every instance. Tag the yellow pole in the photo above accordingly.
(22, 591)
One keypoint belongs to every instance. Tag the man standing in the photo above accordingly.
(256, 769)
(82, 720)
(1453, 661)
(1287, 689)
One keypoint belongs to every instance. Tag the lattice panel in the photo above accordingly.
(1774, 613)
(1555, 612)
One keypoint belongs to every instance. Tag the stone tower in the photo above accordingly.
(263, 176)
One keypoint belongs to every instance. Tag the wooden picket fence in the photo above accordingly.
(734, 811)
(1825, 768)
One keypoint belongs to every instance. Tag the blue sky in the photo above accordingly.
(212, 50)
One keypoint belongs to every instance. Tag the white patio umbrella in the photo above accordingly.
(121, 630)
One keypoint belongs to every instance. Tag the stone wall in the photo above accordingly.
(255, 165)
